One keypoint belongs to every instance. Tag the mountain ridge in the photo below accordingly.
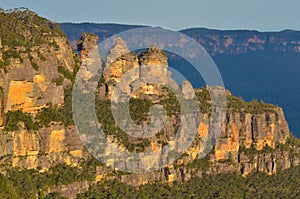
(179, 30)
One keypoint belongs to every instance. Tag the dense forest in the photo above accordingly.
(256, 185)
(30, 183)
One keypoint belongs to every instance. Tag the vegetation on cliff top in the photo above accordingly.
(253, 107)
(20, 31)
(22, 27)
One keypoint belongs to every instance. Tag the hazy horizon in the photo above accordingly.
(199, 27)
(263, 16)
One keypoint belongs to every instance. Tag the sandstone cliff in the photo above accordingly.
(250, 140)
(243, 129)
(34, 77)
(255, 135)
(119, 61)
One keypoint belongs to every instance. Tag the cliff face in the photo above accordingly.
(251, 130)
(29, 84)
(242, 148)
(259, 56)
(243, 130)
(255, 136)
(42, 149)
(249, 141)
(119, 61)
(33, 76)
(246, 131)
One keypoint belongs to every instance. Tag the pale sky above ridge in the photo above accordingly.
(262, 15)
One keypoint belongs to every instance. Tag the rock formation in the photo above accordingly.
(56, 144)
(42, 149)
(242, 130)
(150, 66)
(119, 61)
(29, 89)
(34, 78)
(153, 66)
(255, 136)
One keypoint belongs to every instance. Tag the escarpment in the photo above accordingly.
(36, 75)
(255, 135)
(248, 125)
(37, 130)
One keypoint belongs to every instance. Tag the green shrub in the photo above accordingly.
(34, 65)
(65, 72)
(11, 53)
(41, 56)
(14, 117)
(200, 164)
(47, 115)
(58, 81)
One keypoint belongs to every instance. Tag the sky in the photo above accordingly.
(262, 15)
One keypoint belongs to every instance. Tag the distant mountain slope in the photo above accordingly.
(262, 65)
(254, 65)
(243, 41)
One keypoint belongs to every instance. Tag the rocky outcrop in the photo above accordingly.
(33, 78)
(86, 43)
(71, 190)
(58, 144)
(252, 140)
(251, 130)
(30, 82)
(42, 149)
(119, 61)
(153, 67)
(150, 65)
(91, 61)
(242, 130)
